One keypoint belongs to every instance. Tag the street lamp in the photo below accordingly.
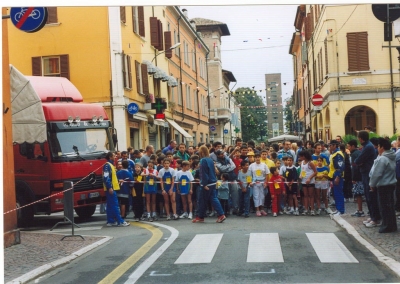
(172, 47)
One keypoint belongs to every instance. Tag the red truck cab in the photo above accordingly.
(78, 135)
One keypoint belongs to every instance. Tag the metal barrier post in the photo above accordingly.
(68, 209)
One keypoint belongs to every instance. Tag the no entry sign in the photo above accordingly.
(29, 19)
(317, 100)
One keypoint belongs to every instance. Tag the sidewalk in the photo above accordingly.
(41, 252)
(388, 244)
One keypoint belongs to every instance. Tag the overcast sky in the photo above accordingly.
(258, 44)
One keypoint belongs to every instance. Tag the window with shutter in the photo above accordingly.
(135, 20)
(51, 15)
(139, 87)
(160, 36)
(122, 14)
(154, 37)
(357, 51)
(141, 21)
(304, 53)
(124, 76)
(321, 66)
(127, 71)
(196, 100)
(37, 66)
(145, 79)
(167, 37)
(307, 27)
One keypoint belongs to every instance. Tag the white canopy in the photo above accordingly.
(28, 122)
(284, 137)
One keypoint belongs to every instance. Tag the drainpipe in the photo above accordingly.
(197, 82)
(180, 69)
(230, 121)
(208, 99)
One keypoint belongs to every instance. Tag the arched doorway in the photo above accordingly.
(358, 117)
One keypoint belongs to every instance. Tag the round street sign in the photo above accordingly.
(29, 19)
(133, 108)
(212, 128)
(380, 12)
(226, 131)
(317, 100)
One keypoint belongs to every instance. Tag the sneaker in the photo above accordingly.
(176, 217)
(184, 215)
(136, 219)
(190, 216)
(371, 224)
(258, 214)
(358, 214)
(334, 212)
(154, 216)
(337, 213)
(112, 224)
(296, 212)
(312, 213)
(281, 212)
(221, 219)
(211, 214)
(198, 220)
(263, 213)
(275, 215)
(125, 224)
(168, 217)
(150, 219)
(367, 221)
(318, 212)
(328, 211)
(304, 212)
(290, 212)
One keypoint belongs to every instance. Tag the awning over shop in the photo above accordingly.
(140, 116)
(182, 131)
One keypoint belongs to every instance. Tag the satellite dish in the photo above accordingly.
(380, 12)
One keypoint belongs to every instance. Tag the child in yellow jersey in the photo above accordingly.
(321, 185)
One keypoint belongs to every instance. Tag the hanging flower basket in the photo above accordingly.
(150, 98)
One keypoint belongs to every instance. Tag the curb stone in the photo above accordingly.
(388, 261)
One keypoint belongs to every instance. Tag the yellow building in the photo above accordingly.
(108, 54)
(351, 66)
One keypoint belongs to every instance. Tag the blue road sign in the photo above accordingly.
(212, 127)
(29, 19)
(133, 108)
(226, 131)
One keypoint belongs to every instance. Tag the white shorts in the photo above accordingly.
(322, 184)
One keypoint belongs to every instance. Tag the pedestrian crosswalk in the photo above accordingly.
(267, 248)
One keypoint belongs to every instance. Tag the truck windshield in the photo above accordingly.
(79, 143)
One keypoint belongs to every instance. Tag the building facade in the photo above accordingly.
(347, 61)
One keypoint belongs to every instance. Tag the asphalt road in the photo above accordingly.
(289, 249)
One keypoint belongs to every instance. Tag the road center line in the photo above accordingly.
(127, 264)
(151, 259)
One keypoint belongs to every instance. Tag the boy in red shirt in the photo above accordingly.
(277, 189)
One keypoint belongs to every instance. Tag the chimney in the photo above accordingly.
(193, 23)
(185, 13)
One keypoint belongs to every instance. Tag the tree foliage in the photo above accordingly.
(254, 126)
(288, 115)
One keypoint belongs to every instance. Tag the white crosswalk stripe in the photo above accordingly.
(267, 248)
(330, 249)
(264, 247)
(201, 249)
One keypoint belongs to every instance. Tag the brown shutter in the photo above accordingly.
(128, 61)
(64, 66)
(160, 36)
(326, 56)
(141, 21)
(307, 27)
(154, 32)
(122, 14)
(123, 58)
(145, 79)
(357, 51)
(36, 66)
(168, 42)
(138, 81)
(51, 15)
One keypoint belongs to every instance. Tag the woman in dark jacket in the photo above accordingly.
(207, 189)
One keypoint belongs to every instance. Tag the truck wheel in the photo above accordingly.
(85, 212)
(24, 215)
